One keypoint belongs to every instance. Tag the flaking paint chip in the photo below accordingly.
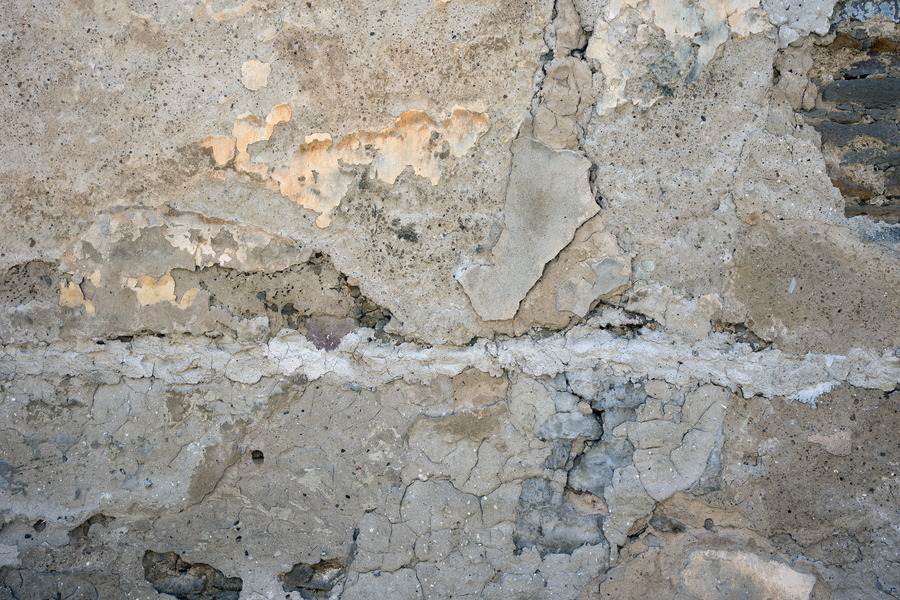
(255, 75)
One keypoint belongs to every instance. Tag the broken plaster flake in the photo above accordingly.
(754, 575)
(811, 394)
(576, 295)
(316, 178)
(664, 473)
(795, 19)
(249, 129)
(548, 197)
(153, 291)
(71, 296)
(255, 75)
(222, 147)
(683, 35)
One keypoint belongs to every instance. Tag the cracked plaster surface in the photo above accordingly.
(476, 300)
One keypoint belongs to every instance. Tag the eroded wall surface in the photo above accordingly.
(439, 299)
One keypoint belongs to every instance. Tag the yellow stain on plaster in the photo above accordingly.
(249, 129)
(317, 177)
(95, 278)
(222, 147)
(255, 75)
(71, 296)
(153, 291)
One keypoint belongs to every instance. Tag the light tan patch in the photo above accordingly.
(318, 176)
(71, 296)
(222, 147)
(474, 389)
(586, 504)
(151, 291)
(249, 129)
(255, 75)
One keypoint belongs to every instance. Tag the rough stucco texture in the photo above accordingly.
(556, 299)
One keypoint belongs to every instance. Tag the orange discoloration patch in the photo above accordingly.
(71, 296)
(319, 176)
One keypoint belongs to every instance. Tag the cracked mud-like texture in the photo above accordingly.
(560, 299)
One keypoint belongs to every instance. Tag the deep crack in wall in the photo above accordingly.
(459, 299)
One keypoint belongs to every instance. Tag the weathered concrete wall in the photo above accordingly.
(450, 299)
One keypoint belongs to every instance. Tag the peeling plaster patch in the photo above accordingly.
(548, 197)
(318, 177)
(255, 75)
(222, 147)
(644, 48)
(249, 129)
(153, 291)
(577, 293)
(71, 296)
(794, 20)
(759, 577)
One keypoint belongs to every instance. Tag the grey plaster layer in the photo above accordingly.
(547, 199)
(365, 361)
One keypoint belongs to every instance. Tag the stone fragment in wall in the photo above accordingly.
(327, 332)
(548, 197)
(793, 20)
(255, 75)
(645, 49)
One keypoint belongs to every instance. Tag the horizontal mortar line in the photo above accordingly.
(716, 359)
